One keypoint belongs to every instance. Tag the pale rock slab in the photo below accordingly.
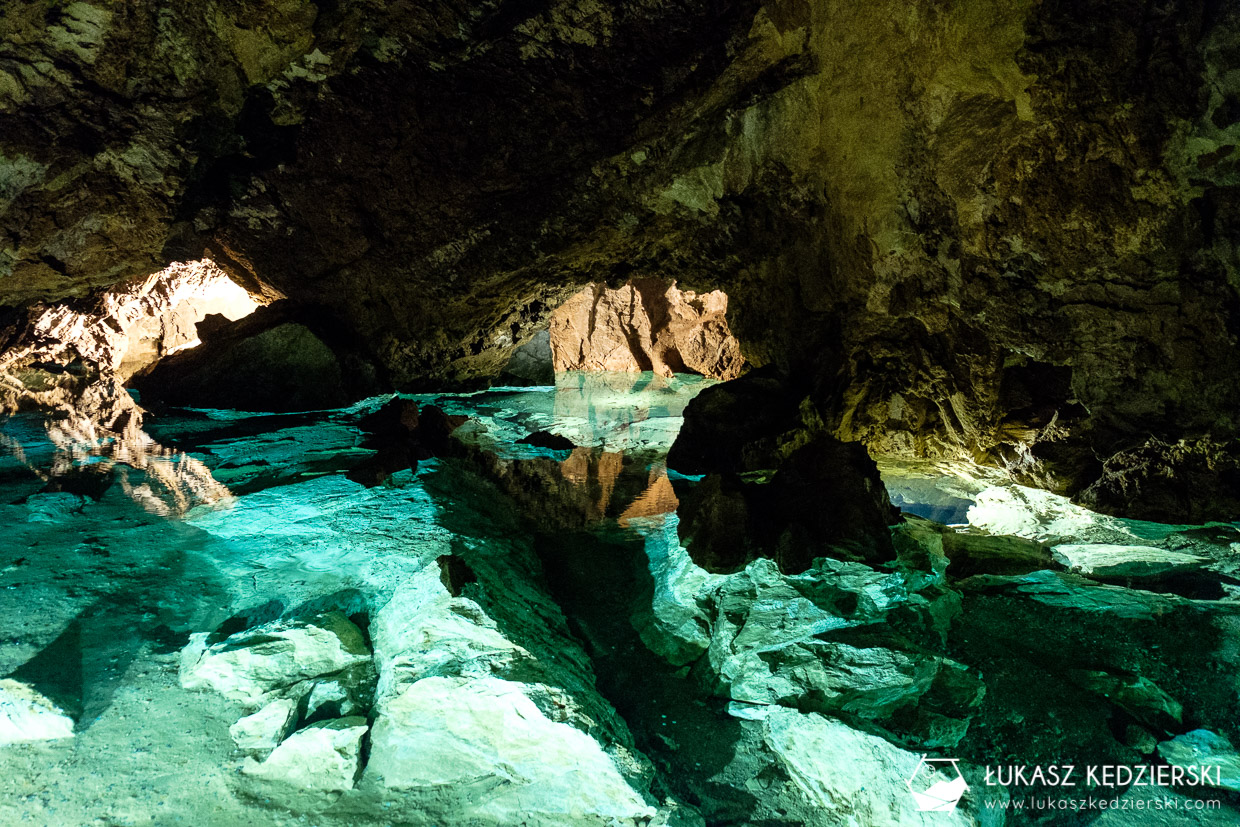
(850, 777)
(481, 752)
(324, 756)
(266, 728)
(1203, 748)
(1136, 562)
(248, 665)
(675, 626)
(25, 715)
(1041, 515)
(425, 631)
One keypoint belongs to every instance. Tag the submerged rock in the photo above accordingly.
(479, 750)
(1137, 695)
(816, 641)
(348, 692)
(674, 624)
(425, 631)
(325, 756)
(266, 728)
(26, 715)
(849, 777)
(1205, 749)
(1126, 562)
(247, 666)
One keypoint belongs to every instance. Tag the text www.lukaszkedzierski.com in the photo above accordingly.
(1093, 803)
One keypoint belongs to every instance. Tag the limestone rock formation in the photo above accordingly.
(26, 715)
(324, 756)
(647, 324)
(266, 728)
(850, 777)
(471, 725)
(484, 743)
(1205, 749)
(1132, 563)
(245, 667)
(126, 329)
(1190, 481)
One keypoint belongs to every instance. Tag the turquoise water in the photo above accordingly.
(116, 552)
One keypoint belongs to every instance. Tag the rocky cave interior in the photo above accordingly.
(657, 412)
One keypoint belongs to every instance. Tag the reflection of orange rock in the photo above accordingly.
(645, 325)
(584, 466)
(658, 498)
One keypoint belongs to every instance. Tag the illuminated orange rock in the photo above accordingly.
(648, 324)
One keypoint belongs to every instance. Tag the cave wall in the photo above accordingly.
(990, 230)
(647, 324)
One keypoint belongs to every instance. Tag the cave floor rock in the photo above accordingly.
(513, 633)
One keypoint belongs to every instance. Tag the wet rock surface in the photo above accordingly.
(511, 631)
(26, 715)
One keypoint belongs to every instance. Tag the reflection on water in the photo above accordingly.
(99, 431)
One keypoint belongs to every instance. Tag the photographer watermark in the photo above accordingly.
(937, 785)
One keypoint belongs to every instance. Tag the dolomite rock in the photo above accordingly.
(348, 692)
(324, 756)
(424, 631)
(1138, 696)
(480, 749)
(472, 727)
(129, 327)
(1203, 748)
(1127, 562)
(265, 729)
(674, 625)
(1185, 481)
(806, 642)
(850, 777)
(247, 666)
(646, 325)
(25, 715)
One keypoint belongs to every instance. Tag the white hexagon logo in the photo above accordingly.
(937, 785)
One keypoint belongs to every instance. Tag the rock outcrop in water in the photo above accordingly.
(998, 231)
(646, 325)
